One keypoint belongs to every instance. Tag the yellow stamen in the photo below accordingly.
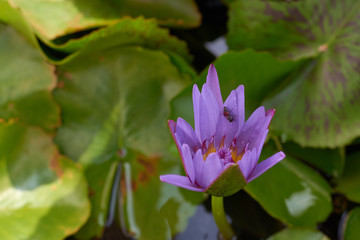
(239, 157)
(209, 150)
(235, 157)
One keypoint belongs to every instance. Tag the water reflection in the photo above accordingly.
(200, 226)
(300, 201)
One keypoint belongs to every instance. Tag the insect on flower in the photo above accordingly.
(220, 156)
(227, 114)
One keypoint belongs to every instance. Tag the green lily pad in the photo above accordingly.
(258, 72)
(292, 192)
(113, 103)
(13, 17)
(126, 32)
(349, 183)
(317, 106)
(54, 19)
(299, 234)
(295, 29)
(330, 161)
(100, 180)
(26, 94)
(116, 94)
(350, 229)
(145, 197)
(44, 195)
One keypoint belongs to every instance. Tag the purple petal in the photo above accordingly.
(231, 103)
(196, 106)
(253, 130)
(186, 134)
(213, 81)
(181, 181)
(198, 161)
(265, 165)
(222, 127)
(188, 162)
(211, 170)
(225, 127)
(172, 127)
(241, 105)
(261, 144)
(269, 115)
(210, 100)
(248, 162)
(207, 121)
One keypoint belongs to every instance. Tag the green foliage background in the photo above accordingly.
(86, 88)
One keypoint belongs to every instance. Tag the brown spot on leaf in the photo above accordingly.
(56, 166)
(338, 128)
(123, 186)
(354, 61)
(150, 167)
(180, 22)
(75, 21)
(322, 48)
(308, 130)
(91, 192)
(10, 105)
(326, 123)
(60, 84)
(276, 15)
(67, 75)
(296, 15)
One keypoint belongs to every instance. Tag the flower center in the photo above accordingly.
(225, 155)
(228, 155)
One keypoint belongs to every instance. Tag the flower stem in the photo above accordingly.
(224, 226)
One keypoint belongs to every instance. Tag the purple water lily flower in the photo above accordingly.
(220, 157)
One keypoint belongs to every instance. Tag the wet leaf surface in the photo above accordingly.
(317, 106)
(299, 234)
(350, 229)
(128, 126)
(349, 183)
(330, 161)
(43, 195)
(125, 32)
(144, 197)
(292, 192)
(27, 94)
(258, 72)
(53, 19)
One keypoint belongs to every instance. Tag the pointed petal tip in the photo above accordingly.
(188, 162)
(240, 87)
(265, 165)
(212, 80)
(172, 127)
(180, 181)
(270, 112)
(195, 87)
